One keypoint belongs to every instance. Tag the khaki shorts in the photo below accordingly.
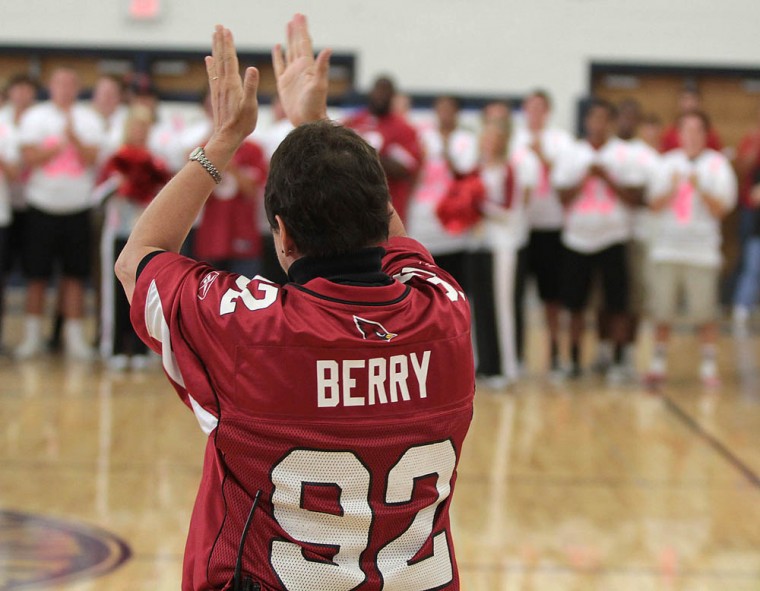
(673, 283)
(638, 277)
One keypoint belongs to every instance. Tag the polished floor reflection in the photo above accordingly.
(571, 486)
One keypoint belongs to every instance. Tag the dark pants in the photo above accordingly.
(125, 339)
(484, 312)
(455, 264)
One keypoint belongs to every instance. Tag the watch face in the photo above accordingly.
(196, 153)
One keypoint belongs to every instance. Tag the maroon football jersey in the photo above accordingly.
(345, 405)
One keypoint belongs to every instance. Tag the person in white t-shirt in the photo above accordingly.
(60, 141)
(451, 151)
(9, 172)
(694, 188)
(21, 91)
(108, 102)
(592, 179)
(643, 159)
(537, 146)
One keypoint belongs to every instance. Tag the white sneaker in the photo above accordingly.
(33, 344)
(118, 362)
(657, 371)
(708, 373)
(75, 345)
(30, 347)
(139, 362)
(497, 382)
(740, 321)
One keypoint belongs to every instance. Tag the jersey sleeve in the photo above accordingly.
(405, 257)
(173, 313)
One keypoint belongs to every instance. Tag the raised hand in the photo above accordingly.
(233, 100)
(301, 80)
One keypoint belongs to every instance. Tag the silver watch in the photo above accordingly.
(199, 155)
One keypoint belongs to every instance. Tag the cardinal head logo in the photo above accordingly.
(370, 329)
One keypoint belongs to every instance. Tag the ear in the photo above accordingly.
(288, 245)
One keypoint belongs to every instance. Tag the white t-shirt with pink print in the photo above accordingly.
(8, 154)
(686, 231)
(63, 184)
(436, 177)
(597, 218)
(544, 210)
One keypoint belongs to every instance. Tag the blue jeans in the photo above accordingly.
(748, 284)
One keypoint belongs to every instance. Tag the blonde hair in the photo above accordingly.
(137, 114)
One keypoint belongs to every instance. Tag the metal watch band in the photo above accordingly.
(199, 155)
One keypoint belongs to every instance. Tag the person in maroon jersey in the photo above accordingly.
(394, 139)
(336, 404)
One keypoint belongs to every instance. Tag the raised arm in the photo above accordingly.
(302, 84)
(166, 222)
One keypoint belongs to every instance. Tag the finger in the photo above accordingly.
(250, 84)
(289, 48)
(323, 63)
(217, 50)
(278, 61)
(302, 39)
(232, 66)
(210, 69)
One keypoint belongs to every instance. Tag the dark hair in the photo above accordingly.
(25, 79)
(629, 103)
(450, 98)
(327, 185)
(599, 103)
(542, 94)
(118, 80)
(701, 115)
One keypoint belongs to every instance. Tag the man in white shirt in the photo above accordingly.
(450, 151)
(592, 179)
(643, 160)
(694, 188)
(21, 91)
(537, 147)
(9, 172)
(108, 102)
(60, 141)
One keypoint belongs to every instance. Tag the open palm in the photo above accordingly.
(301, 79)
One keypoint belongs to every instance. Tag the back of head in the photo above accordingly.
(327, 185)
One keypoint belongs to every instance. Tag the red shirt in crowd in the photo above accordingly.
(392, 136)
(229, 228)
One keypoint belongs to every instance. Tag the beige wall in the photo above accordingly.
(466, 46)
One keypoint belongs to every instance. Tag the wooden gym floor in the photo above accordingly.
(573, 486)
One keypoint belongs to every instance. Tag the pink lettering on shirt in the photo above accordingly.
(435, 181)
(544, 186)
(596, 197)
(684, 202)
(65, 163)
